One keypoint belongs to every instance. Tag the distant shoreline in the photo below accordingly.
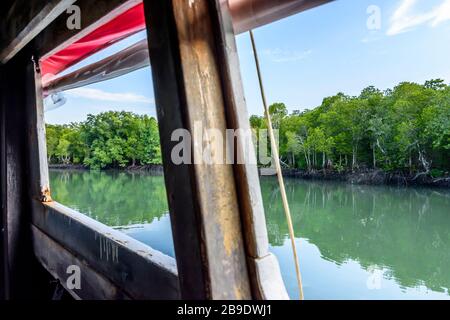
(362, 177)
(371, 177)
(153, 168)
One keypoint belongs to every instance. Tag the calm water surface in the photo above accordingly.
(355, 242)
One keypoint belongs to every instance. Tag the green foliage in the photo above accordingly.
(278, 112)
(406, 128)
(109, 139)
(436, 173)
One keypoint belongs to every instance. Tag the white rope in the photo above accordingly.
(278, 169)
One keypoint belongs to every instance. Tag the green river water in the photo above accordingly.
(355, 242)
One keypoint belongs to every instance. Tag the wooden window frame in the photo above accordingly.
(220, 238)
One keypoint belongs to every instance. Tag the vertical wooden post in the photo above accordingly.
(217, 215)
(202, 198)
(3, 249)
(37, 144)
(265, 274)
(14, 209)
(23, 275)
(37, 178)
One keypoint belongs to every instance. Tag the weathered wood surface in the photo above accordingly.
(24, 20)
(251, 14)
(37, 144)
(263, 266)
(202, 198)
(107, 255)
(246, 172)
(128, 60)
(23, 275)
(140, 271)
(57, 260)
(13, 211)
(217, 198)
(44, 23)
(180, 184)
(93, 14)
(3, 248)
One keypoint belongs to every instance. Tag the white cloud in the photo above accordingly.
(443, 14)
(96, 94)
(282, 55)
(404, 19)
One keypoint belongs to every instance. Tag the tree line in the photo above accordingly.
(406, 129)
(107, 140)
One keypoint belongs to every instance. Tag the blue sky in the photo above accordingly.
(304, 58)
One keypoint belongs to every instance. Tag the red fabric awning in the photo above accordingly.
(246, 14)
(122, 26)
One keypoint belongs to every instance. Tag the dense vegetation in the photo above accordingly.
(402, 129)
(110, 139)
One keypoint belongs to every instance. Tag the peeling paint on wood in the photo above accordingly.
(140, 271)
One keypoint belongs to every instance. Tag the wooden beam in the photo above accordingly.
(264, 270)
(15, 242)
(37, 143)
(25, 20)
(121, 63)
(45, 23)
(202, 198)
(251, 14)
(111, 259)
(140, 271)
(21, 269)
(179, 181)
(57, 260)
(93, 14)
(3, 247)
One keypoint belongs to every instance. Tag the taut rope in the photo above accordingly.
(278, 168)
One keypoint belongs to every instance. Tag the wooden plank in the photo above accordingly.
(93, 14)
(215, 183)
(264, 270)
(202, 198)
(140, 271)
(22, 270)
(121, 63)
(246, 172)
(57, 260)
(37, 143)
(16, 244)
(251, 14)
(178, 178)
(3, 249)
(25, 20)
(13, 210)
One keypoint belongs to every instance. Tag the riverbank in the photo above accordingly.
(363, 177)
(371, 177)
(153, 168)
